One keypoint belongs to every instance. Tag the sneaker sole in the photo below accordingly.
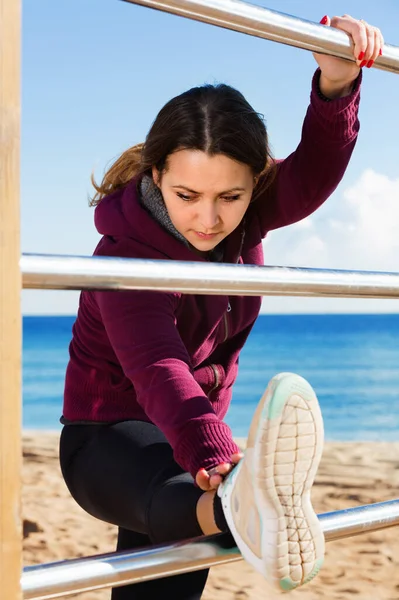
(284, 463)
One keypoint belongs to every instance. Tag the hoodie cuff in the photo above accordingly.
(337, 117)
(204, 446)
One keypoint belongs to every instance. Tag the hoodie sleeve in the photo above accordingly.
(305, 179)
(141, 327)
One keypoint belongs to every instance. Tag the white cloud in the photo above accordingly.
(362, 233)
(375, 203)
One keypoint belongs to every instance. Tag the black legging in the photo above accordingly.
(125, 474)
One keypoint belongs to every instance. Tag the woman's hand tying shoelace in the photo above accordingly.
(211, 479)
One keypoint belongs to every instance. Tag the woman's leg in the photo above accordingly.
(188, 586)
(125, 474)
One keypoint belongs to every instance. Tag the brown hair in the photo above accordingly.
(216, 119)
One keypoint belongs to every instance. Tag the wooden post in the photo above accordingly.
(10, 311)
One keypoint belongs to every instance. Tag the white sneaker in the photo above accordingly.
(266, 498)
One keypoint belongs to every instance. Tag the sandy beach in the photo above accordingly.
(364, 567)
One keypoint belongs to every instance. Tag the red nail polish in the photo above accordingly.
(361, 56)
(380, 51)
(370, 64)
(363, 64)
(324, 20)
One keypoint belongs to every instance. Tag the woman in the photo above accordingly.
(150, 375)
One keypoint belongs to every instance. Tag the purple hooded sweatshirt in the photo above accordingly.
(172, 358)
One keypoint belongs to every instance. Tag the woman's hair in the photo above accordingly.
(216, 119)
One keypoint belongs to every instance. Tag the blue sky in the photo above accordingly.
(95, 74)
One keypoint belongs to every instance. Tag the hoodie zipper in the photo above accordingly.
(215, 370)
(226, 322)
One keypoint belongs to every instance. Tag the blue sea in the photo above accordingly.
(352, 361)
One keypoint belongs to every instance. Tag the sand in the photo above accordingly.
(351, 474)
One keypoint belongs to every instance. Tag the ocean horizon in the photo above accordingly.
(351, 360)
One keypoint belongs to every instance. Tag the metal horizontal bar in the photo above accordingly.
(88, 272)
(270, 25)
(54, 580)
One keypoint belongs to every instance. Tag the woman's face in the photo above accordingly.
(206, 196)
